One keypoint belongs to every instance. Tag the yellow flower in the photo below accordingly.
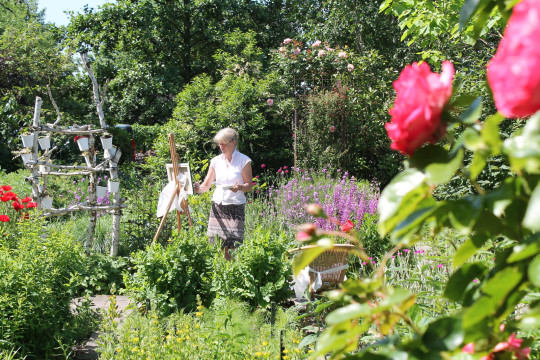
(168, 337)
(135, 339)
(310, 351)
(118, 350)
(297, 350)
(200, 307)
(285, 351)
(187, 337)
(198, 313)
(264, 343)
(187, 326)
(179, 339)
(286, 357)
(135, 349)
(295, 341)
(258, 353)
(179, 331)
(197, 326)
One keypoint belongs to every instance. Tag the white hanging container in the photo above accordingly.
(113, 186)
(106, 142)
(101, 191)
(28, 140)
(109, 153)
(44, 168)
(83, 143)
(26, 157)
(45, 143)
(46, 202)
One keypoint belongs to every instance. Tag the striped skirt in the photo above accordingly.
(226, 223)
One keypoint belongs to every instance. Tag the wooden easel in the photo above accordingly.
(177, 188)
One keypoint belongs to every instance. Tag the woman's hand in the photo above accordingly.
(237, 187)
(197, 188)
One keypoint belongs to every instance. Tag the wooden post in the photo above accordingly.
(89, 157)
(117, 212)
(36, 193)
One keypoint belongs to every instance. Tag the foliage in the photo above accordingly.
(35, 313)
(492, 299)
(226, 330)
(145, 136)
(100, 274)
(260, 272)
(150, 50)
(239, 100)
(171, 277)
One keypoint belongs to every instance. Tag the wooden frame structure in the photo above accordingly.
(41, 167)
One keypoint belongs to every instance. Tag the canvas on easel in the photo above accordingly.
(184, 169)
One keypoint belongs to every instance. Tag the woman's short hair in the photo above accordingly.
(226, 135)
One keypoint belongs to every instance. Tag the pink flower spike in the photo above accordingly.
(440, 265)
(405, 250)
(364, 263)
(468, 349)
(263, 166)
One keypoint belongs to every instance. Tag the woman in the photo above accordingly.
(232, 174)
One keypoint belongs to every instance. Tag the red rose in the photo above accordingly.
(31, 205)
(420, 98)
(8, 196)
(4, 218)
(17, 206)
(6, 187)
(347, 227)
(513, 74)
(26, 199)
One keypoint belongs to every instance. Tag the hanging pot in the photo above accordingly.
(46, 202)
(44, 168)
(83, 143)
(106, 142)
(45, 143)
(26, 157)
(109, 153)
(101, 191)
(113, 186)
(28, 140)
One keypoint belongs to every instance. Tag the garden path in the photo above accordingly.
(87, 350)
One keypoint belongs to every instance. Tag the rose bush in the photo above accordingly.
(491, 293)
(513, 73)
(416, 115)
(12, 209)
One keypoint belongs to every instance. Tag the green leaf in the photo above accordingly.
(444, 334)
(469, 248)
(349, 312)
(407, 184)
(491, 134)
(472, 114)
(413, 222)
(524, 149)
(484, 307)
(534, 271)
(502, 283)
(527, 248)
(462, 279)
(438, 165)
(467, 11)
(463, 213)
(308, 340)
(532, 216)
(473, 140)
(462, 101)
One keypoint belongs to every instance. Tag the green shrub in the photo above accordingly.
(260, 271)
(171, 276)
(36, 292)
(100, 274)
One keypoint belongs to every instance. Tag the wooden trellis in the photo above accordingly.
(41, 166)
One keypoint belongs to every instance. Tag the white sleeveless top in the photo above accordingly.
(228, 175)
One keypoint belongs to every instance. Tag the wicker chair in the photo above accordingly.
(329, 268)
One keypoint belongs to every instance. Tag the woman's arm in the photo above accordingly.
(247, 176)
(207, 183)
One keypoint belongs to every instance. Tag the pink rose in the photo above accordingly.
(321, 53)
(270, 102)
(287, 41)
(420, 98)
(469, 348)
(513, 72)
(296, 51)
(317, 43)
(282, 50)
(350, 67)
(332, 128)
(343, 54)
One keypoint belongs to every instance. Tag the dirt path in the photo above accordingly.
(101, 303)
